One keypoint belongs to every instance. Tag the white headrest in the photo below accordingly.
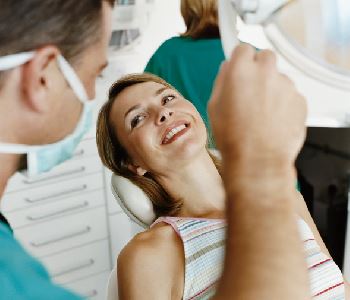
(133, 200)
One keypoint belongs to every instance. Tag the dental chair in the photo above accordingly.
(138, 207)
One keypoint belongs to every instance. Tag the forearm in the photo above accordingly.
(261, 215)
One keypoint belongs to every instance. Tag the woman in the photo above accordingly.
(150, 134)
(183, 60)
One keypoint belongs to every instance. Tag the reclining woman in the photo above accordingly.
(148, 133)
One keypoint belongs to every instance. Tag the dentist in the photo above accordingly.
(51, 53)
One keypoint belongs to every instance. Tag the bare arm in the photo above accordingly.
(258, 122)
(148, 267)
(264, 249)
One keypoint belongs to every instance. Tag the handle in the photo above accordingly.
(76, 267)
(54, 176)
(90, 294)
(78, 153)
(83, 231)
(58, 212)
(63, 193)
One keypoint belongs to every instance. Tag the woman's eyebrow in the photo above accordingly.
(157, 92)
(131, 109)
(161, 90)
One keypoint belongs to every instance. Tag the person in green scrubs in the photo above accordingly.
(51, 53)
(190, 62)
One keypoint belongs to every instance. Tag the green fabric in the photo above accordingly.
(190, 66)
(22, 276)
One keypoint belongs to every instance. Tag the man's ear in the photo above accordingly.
(37, 77)
(137, 170)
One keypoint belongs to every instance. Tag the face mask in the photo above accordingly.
(43, 158)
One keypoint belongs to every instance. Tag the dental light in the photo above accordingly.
(313, 40)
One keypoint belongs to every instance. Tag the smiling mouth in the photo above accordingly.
(175, 133)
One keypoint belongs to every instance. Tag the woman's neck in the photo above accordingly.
(199, 186)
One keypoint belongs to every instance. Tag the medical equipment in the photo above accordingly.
(129, 22)
(313, 38)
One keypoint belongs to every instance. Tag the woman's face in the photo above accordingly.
(158, 128)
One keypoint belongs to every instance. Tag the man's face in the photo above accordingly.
(67, 108)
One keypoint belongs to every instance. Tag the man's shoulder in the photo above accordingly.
(23, 276)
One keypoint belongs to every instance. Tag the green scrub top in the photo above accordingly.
(190, 66)
(22, 276)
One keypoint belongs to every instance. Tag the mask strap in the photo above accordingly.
(73, 79)
(14, 60)
(16, 148)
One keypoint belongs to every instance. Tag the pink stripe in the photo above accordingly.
(191, 218)
(330, 288)
(168, 221)
(202, 291)
(309, 240)
(320, 263)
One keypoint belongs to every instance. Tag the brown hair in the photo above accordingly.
(115, 157)
(201, 18)
(71, 25)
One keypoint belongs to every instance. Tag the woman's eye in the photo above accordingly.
(136, 120)
(168, 98)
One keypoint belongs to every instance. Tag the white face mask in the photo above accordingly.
(43, 158)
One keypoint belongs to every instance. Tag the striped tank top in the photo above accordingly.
(204, 245)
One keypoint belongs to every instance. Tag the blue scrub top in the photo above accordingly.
(21, 275)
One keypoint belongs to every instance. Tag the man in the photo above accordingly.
(258, 120)
(250, 102)
(42, 101)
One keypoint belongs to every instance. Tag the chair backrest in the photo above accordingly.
(112, 287)
(132, 199)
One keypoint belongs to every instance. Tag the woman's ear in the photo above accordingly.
(37, 78)
(137, 170)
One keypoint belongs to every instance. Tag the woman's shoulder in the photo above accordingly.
(154, 243)
(152, 257)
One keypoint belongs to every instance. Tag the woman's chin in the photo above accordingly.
(188, 148)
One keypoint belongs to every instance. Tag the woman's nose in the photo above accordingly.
(164, 115)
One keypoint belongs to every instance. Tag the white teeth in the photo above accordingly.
(174, 131)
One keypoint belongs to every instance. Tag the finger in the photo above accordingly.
(287, 79)
(219, 82)
(266, 57)
(243, 52)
